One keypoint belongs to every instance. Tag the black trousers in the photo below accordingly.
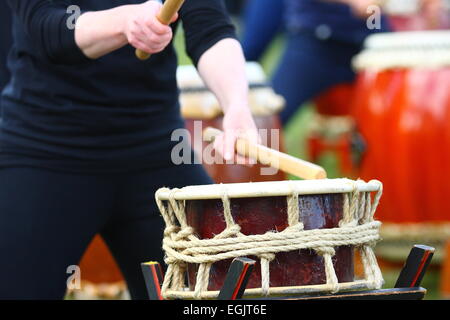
(48, 219)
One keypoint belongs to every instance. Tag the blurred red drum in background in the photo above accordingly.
(402, 110)
(331, 128)
(335, 101)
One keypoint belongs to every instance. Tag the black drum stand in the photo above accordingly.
(407, 286)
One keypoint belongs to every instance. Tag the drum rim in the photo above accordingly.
(268, 189)
(407, 39)
(405, 50)
(198, 102)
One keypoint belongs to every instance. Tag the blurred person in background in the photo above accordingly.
(263, 20)
(322, 39)
(5, 42)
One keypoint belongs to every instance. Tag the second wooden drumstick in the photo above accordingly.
(276, 159)
(168, 11)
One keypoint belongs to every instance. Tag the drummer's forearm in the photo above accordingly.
(222, 68)
(99, 33)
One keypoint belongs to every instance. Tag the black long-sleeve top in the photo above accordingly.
(5, 41)
(64, 111)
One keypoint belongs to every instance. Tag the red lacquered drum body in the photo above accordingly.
(260, 215)
(403, 113)
(336, 101)
(332, 127)
(200, 110)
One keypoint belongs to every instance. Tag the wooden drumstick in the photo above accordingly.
(276, 159)
(168, 11)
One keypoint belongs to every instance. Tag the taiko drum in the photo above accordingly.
(402, 109)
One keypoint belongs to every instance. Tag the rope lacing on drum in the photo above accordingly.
(357, 228)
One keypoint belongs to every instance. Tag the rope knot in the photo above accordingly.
(184, 233)
(371, 244)
(169, 230)
(298, 227)
(267, 256)
(171, 260)
(230, 232)
(345, 224)
(322, 251)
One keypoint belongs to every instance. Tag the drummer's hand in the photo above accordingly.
(238, 122)
(143, 29)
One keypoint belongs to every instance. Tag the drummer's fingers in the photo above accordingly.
(147, 41)
(219, 145)
(253, 136)
(174, 18)
(138, 44)
(230, 138)
(249, 162)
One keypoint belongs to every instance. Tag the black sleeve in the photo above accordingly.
(45, 23)
(205, 22)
